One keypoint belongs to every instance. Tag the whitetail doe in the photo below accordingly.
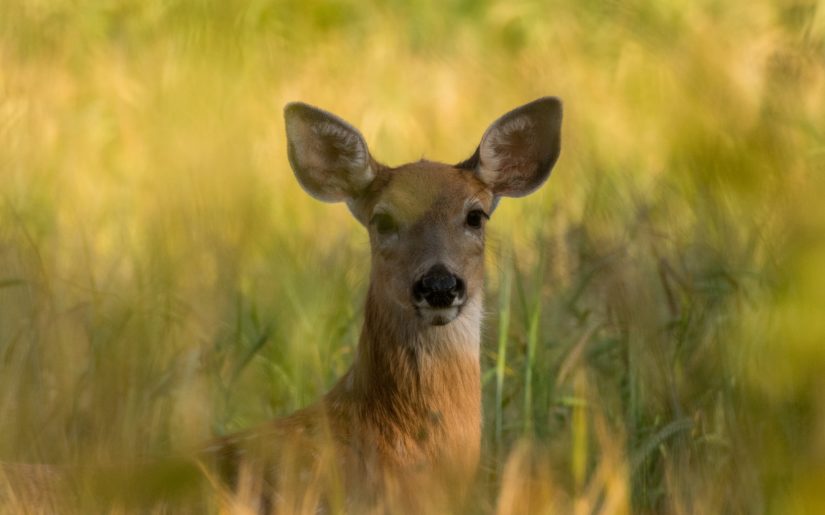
(401, 430)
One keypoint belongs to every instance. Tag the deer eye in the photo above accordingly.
(384, 224)
(475, 218)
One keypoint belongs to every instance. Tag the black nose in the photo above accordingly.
(438, 287)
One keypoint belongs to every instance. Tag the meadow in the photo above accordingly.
(655, 335)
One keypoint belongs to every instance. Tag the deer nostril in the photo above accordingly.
(438, 287)
(459, 287)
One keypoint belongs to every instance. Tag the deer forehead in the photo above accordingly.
(430, 190)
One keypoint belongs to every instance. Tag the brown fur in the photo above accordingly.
(407, 415)
(401, 431)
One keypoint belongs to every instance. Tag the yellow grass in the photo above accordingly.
(164, 279)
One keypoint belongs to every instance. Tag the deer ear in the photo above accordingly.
(519, 149)
(329, 156)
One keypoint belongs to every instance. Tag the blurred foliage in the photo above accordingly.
(164, 279)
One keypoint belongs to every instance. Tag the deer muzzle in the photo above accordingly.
(439, 294)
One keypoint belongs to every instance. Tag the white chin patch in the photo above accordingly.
(438, 316)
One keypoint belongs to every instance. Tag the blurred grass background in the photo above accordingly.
(656, 337)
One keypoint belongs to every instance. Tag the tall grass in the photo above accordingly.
(655, 339)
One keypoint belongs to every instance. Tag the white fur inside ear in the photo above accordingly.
(495, 152)
(329, 157)
(352, 153)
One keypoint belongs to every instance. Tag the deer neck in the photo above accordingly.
(418, 385)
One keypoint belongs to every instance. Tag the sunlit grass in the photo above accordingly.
(654, 340)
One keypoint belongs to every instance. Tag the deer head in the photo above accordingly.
(426, 220)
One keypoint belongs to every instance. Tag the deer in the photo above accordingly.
(404, 422)
(400, 431)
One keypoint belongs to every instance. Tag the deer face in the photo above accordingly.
(426, 220)
(426, 224)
